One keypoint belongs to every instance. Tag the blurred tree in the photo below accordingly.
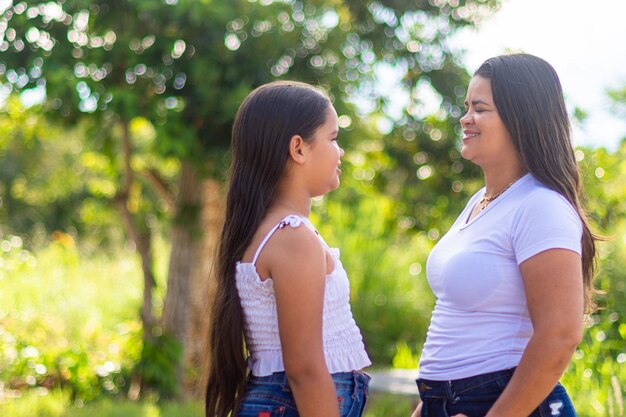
(52, 179)
(27, 194)
(185, 65)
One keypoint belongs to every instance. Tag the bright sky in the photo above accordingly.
(584, 41)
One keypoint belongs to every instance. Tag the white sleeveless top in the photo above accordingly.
(343, 345)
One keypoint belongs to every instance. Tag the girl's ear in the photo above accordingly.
(297, 149)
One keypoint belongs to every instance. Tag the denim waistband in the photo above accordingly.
(358, 378)
(450, 389)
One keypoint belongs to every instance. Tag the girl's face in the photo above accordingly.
(486, 141)
(324, 156)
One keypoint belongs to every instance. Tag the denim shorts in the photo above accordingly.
(270, 396)
(475, 395)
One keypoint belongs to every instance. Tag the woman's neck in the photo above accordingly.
(497, 180)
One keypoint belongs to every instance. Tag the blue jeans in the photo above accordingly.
(270, 396)
(475, 395)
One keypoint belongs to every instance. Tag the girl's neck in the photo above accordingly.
(301, 206)
(291, 198)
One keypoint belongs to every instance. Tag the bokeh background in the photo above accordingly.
(115, 119)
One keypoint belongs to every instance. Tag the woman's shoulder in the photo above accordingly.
(543, 205)
(538, 195)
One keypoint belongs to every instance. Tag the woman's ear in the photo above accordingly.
(297, 149)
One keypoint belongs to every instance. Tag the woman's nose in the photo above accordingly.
(465, 119)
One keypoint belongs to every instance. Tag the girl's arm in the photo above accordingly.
(554, 293)
(297, 264)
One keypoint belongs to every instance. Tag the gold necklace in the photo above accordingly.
(484, 202)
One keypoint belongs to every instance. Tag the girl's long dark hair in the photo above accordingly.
(264, 125)
(529, 98)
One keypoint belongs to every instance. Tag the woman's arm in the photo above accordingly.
(418, 410)
(554, 293)
(297, 262)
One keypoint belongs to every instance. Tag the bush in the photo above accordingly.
(385, 263)
(65, 322)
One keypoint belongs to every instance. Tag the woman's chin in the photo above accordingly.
(466, 153)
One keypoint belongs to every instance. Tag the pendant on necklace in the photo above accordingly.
(484, 202)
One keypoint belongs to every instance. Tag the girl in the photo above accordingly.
(281, 289)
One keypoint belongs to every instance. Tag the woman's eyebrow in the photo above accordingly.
(477, 101)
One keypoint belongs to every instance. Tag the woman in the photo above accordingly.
(279, 284)
(513, 275)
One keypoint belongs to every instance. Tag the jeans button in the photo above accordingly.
(423, 387)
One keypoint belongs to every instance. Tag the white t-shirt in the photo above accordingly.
(480, 322)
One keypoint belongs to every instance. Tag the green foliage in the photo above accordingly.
(33, 403)
(57, 404)
(619, 100)
(404, 357)
(67, 323)
(110, 62)
(52, 180)
(184, 68)
(71, 315)
(390, 299)
(40, 181)
(597, 373)
(157, 366)
(389, 405)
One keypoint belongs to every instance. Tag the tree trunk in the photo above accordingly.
(196, 358)
(141, 237)
(195, 236)
(185, 243)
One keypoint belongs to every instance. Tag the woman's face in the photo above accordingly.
(486, 141)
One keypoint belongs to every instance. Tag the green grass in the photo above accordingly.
(57, 404)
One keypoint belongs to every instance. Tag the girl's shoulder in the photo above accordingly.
(292, 235)
(290, 243)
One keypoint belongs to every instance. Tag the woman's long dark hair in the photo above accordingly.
(529, 98)
(264, 125)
